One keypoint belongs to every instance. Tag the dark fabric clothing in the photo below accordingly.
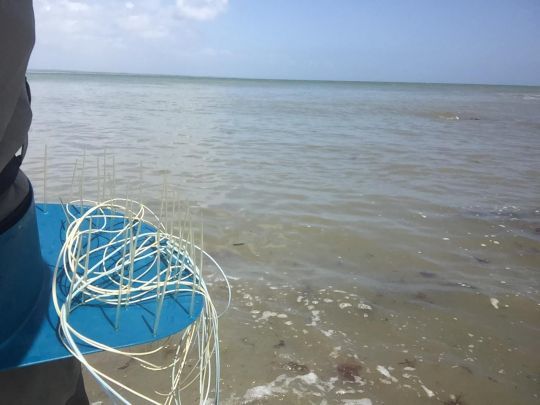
(17, 37)
(55, 383)
(58, 382)
(20, 187)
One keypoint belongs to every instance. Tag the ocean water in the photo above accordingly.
(383, 239)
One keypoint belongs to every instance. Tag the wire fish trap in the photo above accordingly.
(123, 278)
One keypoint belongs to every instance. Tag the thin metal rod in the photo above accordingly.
(97, 180)
(121, 285)
(87, 258)
(81, 184)
(45, 178)
(163, 292)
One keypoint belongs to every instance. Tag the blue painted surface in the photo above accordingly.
(31, 310)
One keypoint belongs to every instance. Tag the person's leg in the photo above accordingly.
(79, 397)
(56, 383)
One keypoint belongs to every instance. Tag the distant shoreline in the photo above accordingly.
(158, 75)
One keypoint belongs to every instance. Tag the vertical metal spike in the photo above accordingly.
(104, 173)
(173, 216)
(131, 246)
(193, 267)
(97, 180)
(87, 257)
(74, 275)
(45, 178)
(201, 246)
(163, 194)
(140, 181)
(114, 176)
(81, 185)
(163, 292)
(71, 196)
(181, 255)
(121, 285)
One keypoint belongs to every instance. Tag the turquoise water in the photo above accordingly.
(368, 226)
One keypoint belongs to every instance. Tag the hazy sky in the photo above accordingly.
(466, 41)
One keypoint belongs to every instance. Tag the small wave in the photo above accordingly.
(447, 116)
(453, 116)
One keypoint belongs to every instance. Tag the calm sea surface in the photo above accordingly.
(383, 239)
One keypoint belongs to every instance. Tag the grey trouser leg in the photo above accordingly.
(59, 382)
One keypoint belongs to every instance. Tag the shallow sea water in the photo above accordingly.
(383, 240)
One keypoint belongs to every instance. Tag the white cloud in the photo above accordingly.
(101, 19)
(201, 9)
(77, 6)
(143, 25)
(212, 52)
(124, 35)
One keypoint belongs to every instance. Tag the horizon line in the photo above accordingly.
(187, 76)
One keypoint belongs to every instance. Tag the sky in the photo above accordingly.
(458, 41)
